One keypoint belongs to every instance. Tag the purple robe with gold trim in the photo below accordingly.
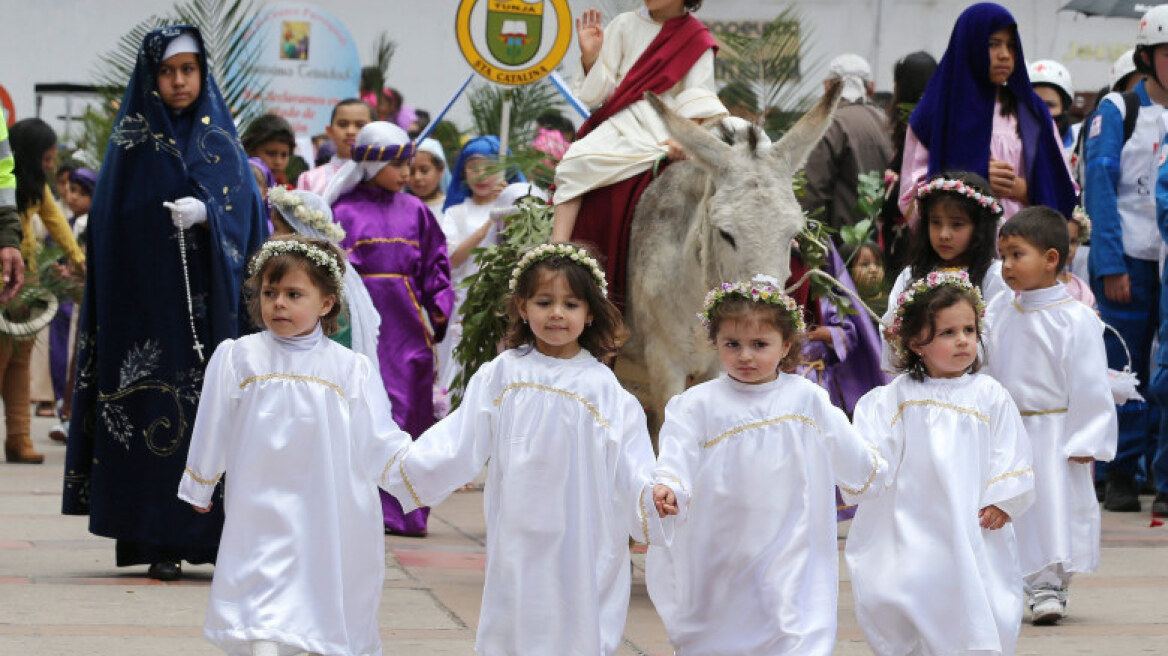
(396, 244)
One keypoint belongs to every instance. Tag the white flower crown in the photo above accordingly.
(761, 289)
(314, 254)
(1079, 215)
(933, 280)
(574, 253)
(316, 219)
(960, 188)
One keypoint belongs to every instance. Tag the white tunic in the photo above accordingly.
(927, 578)
(992, 285)
(1048, 352)
(458, 223)
(753, 567)
(569, 483)
(302, 428)
(629, 141)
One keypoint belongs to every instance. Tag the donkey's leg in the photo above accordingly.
(666, 380)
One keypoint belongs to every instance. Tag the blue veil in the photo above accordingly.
(139, 377)
(458, 190)
(954, 118)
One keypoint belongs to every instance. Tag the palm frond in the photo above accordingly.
(383, 51)
(528, 102)
(771, 65)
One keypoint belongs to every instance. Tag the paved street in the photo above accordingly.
(61, 595)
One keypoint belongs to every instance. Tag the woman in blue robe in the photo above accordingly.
(163, 291)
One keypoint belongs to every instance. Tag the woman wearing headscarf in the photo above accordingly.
(175, 215)
(980, 114)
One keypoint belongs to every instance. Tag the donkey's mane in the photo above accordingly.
(730, 137)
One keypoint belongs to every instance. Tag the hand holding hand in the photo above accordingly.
(187, 212)
(992, 517)
(590, 35)
(665, 500)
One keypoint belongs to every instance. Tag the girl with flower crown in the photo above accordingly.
(301, 426)
(958, 231)
(932, 542)
(571, 465)
(754, 454)
(396, 244)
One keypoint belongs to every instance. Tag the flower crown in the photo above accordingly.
(316, 255)
(287, 201)
(933, 280)
(1079, 215)
(761, 289)
(574, 253)
(961, 188)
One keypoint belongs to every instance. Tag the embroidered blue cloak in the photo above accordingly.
(138, 374)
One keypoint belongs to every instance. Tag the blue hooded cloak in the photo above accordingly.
(459, 189)
(138, 375)
(955, 117)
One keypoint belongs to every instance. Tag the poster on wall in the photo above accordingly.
(307, 63)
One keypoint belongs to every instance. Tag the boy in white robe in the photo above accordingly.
(932, 553)
(1048, 351)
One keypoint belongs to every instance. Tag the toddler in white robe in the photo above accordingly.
(932, 553)
(752, 458)
(570, 470)
(1047, 350)
(301, 425)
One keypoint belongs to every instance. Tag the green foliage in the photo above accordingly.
(869, 201)
(231, 56)
(769, 65)
(484, 313)
(528, 102)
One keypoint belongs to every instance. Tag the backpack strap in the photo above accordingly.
(1131, 107)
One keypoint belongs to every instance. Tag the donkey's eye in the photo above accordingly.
(729, 239)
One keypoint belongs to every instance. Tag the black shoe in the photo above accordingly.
(165, 571)
(1160, 505)
(1121, 493)
(1100, 491)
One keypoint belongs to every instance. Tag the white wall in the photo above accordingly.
(59, 40)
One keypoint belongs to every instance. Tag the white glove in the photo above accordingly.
(187, 212)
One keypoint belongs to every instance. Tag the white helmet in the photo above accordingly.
(1123, 67)
(1048, 71)
(1153, 28)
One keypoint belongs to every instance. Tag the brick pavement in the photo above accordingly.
(61, 595)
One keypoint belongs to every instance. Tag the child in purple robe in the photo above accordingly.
(396, 244)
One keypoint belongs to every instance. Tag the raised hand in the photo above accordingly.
(590, 35)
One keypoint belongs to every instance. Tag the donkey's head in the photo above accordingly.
(752, 214)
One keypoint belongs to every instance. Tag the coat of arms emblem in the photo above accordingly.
(514, 28)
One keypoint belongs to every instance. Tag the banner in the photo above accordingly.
(307, 63)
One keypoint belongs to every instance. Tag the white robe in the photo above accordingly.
(753, 567)
(569, 483)
(302, 429)
(1048, 351)
(927, 579)
(629, 142)
(992, 285)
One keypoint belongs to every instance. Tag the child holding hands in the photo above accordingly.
(1048, 352)
(301, 425)
(571, 465)
(754, 454)
(931, 551)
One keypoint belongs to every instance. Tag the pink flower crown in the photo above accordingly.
(761, 289)
(959, 187)
(933, 280)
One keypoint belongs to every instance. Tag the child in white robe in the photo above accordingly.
(957, 231)
(932, 553)
(752, 458)
(1048, 352)
(571, 466)
(301, 425)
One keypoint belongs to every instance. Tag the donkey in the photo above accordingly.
(727, 213)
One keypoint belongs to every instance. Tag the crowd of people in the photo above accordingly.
(276, 340)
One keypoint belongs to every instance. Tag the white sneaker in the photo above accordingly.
(1046, 609)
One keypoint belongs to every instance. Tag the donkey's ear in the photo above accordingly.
(705, 149)
(796, 145)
